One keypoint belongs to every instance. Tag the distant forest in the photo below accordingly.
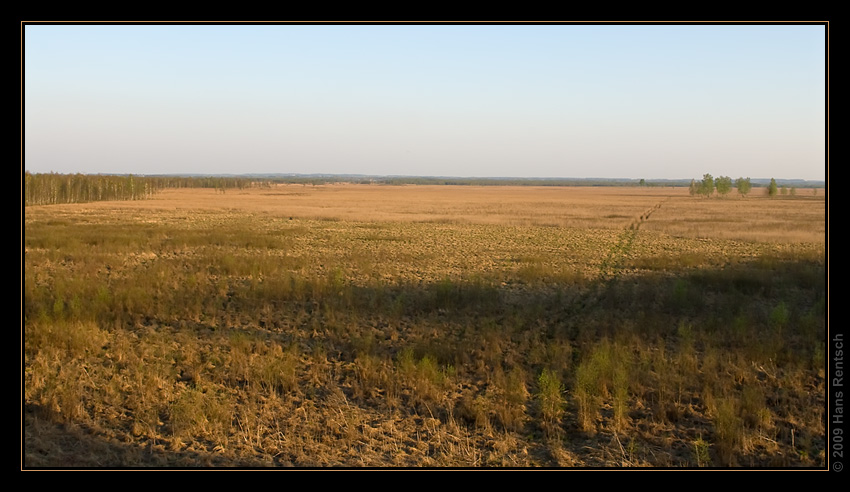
(54, 188)
(492, 181)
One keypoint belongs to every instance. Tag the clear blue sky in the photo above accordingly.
(617, 101)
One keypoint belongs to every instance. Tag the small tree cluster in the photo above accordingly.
(704, 187)
(723, 185)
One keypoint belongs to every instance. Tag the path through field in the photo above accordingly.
(612, 264)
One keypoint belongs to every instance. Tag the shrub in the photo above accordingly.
(729, 430)
(594, 377)
(779, 316)
(511, 408)
(621, 394)
(551, 400)
(701, 454)
(424, 377)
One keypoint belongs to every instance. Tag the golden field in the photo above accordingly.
(347, 325)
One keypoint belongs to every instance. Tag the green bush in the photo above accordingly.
(551, 396)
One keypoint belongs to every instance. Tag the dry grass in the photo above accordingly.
(504, 205)
(756, 218)
(453, 326)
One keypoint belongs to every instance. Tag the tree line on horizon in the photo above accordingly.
(723, 186)
(55, 188)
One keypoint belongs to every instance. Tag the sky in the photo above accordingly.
(667, 101)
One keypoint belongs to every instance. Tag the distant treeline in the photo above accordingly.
(499, 181)
(317, 179)
(53, 188)
(217, 182)
(464, 181)
(396, 180)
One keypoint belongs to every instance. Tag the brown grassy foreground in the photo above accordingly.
(357, 325)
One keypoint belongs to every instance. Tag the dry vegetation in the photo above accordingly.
(435, 326)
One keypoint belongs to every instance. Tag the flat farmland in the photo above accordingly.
(348, 325)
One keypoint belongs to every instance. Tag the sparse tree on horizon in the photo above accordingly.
(771, 188)
(743, 185)
(723, 185)
(706, 187)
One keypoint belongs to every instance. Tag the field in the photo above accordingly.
(346, 325)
